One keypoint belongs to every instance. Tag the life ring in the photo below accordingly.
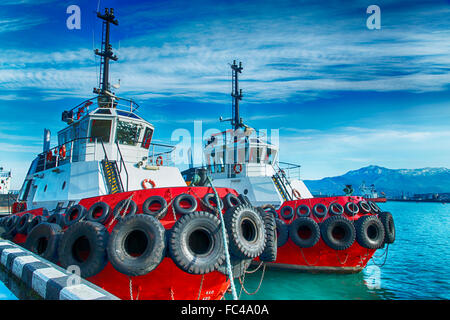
(48, 233)
(62, 151)
(159, 161)
(89, 253)
(246, 232)
(338, 232)
(129, 253)
(369, 232)
(304, 232)
(235, 168)
(296, 193)
(196, 245)
(145, 181)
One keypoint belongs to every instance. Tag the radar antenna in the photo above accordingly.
(105, 96)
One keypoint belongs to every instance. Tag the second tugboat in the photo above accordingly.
(322, 234)
(105, 200)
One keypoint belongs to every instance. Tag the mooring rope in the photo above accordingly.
(224, 236)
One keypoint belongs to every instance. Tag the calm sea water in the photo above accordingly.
(417, 266)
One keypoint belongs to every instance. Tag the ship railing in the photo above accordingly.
(160, 151)
(91, 149)
(119, 103)
(290, 170)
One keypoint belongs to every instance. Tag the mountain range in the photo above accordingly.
(393, 182)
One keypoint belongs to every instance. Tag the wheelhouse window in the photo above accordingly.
(147, 138)
(128, 133)
(100, 129)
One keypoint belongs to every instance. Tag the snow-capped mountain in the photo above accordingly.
(393, 182)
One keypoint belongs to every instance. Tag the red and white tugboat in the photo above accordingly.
(324, 234)
(105, 198)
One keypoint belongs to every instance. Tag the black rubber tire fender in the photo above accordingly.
(303, 210)
(56, 218)
(320, 210)
(74, 214)
(159, 213)
(22, 224)
(369, 232)
(231, 200)
(287, 212)
(196, 244)
(44, 240)
(137, 245)
(81, 237)
(304, 232)
(387, 220)
(34, 222)
(269, 253)
(246, 231)
(351, 209)
(244, 199)
(92, 214)
(282, 232)
(211, 197)
(121, 205)
(273, 212)
(184, 197)
(375, 208)
(11, 227)
(364, 207)
(335, 209)
(338, 232)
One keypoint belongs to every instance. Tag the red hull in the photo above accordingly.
(167, 281)
(377, 199)
(320, 257)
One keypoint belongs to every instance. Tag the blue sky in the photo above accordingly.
(342, 96)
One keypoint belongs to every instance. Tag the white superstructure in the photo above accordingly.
(245, 160)
(105, 148)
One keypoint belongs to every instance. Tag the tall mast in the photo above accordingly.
(236, 93)
(106, 54)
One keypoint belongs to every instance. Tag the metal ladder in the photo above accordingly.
(112, 176)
